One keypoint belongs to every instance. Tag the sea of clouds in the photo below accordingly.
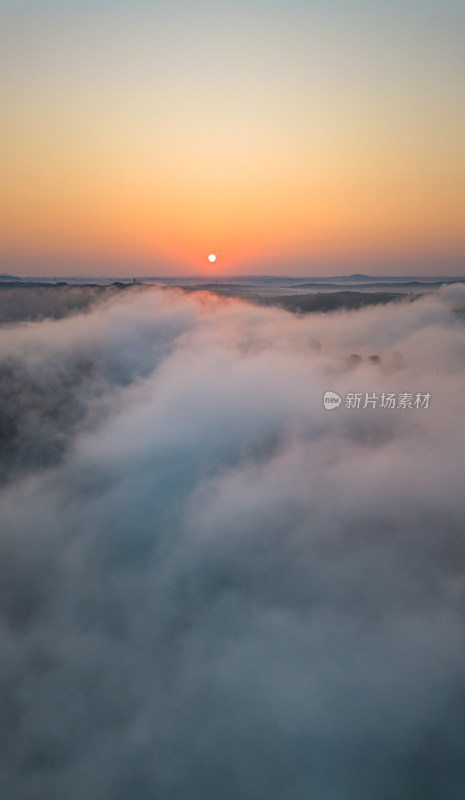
(211, 588)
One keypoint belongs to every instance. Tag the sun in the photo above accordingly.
(212, 257)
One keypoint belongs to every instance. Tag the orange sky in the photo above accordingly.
(143, 138)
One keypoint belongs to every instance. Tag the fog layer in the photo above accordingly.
(211, 587)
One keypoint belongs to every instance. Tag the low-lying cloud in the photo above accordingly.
(211, 586)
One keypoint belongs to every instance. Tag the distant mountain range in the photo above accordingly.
(298, 282)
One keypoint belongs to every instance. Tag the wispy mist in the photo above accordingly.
(211, 586)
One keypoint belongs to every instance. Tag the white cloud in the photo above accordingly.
(214, 587)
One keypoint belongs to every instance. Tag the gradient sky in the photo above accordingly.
(313, 137)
